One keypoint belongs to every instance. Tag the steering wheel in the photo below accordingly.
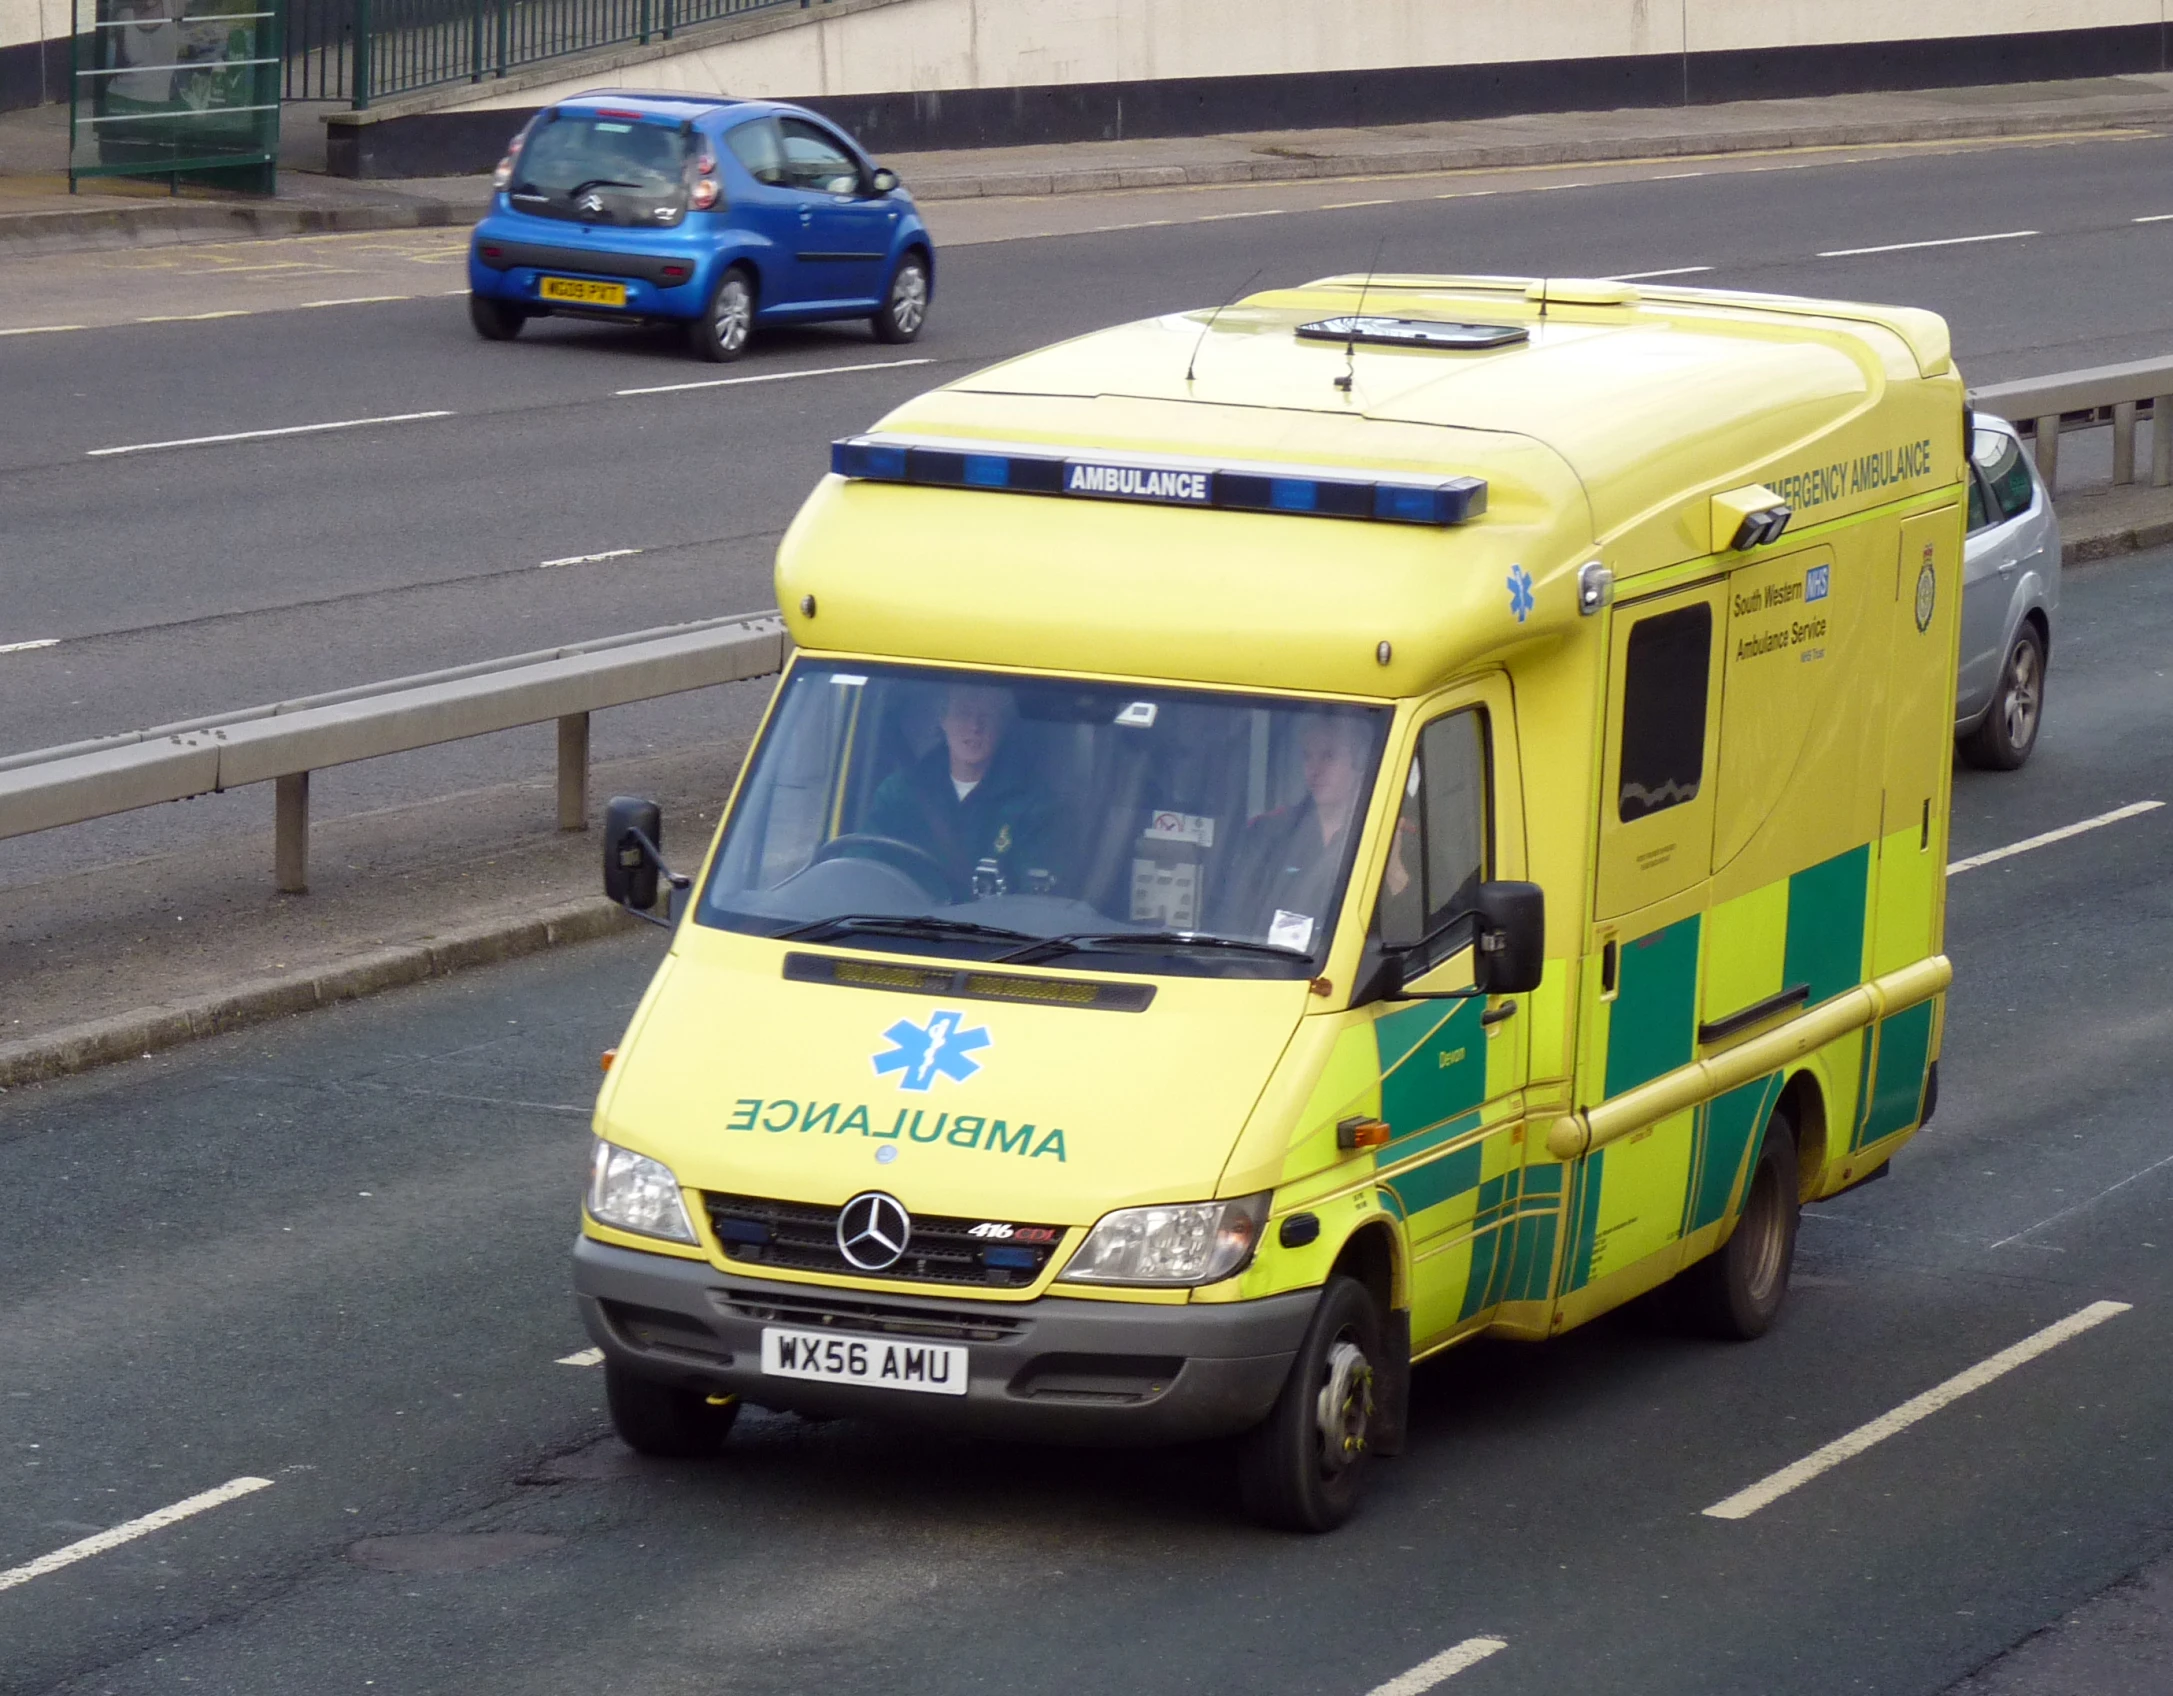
(892, 849)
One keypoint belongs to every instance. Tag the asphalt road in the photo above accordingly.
(331, 1254)
(182, 580)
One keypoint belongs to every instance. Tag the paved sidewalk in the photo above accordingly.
(38, 215)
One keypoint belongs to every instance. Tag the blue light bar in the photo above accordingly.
(1306, 491)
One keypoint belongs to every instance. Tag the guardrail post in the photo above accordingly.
(2047, 431)
(2124, 441)
(290, 833)
(2161, 441)
(573, 772)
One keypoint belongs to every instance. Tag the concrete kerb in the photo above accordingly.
(128, 1036)
(175, 223)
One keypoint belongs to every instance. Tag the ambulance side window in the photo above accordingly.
(1663, 711)
(1443, 830)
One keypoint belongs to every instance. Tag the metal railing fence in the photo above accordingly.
(283, 742)
(365, 50)
(2104, 396)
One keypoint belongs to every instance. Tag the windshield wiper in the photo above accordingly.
(899, 924)
(598, 182)
(1114, 941)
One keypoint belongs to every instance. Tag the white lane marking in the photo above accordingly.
(588, 559)
(1224, 217)
(192, 317)
(1640, 276)
(776, 376)
(1445, 1665)
(356, 300)
(2134, 809)
(2154, 218)
(261, 435)
(1468, 194)
(587, 1357)
(43, 329)
(2055, 1218)
(1346, 205)
(25, 647)
(1541, 188)
(128, 1533)
(1744, 1503)
(1948, 241)
(1676, 176)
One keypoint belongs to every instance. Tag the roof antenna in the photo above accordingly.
(1212, 316)
(1350, 348)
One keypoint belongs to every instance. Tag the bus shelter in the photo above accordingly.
(176, 89)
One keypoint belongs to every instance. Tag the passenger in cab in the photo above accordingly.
(1285, 865)
(970, 804)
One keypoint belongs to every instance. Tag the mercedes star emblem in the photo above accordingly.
(873, 1229)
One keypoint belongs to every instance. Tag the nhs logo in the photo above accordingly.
(1816, 582)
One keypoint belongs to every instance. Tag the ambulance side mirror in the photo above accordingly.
(633, 854)
(1512, 934)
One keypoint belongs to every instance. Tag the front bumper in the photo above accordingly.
(1056, 1369)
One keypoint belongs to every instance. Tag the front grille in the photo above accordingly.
(775, 1307)
(757, 1230)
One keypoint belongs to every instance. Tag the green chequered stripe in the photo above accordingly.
(1655, 1017)
(1826, 925)
(1732, 1124)
(1514, 1260)
(1432, 1182)
(1897, 1093)
(1584, 1218)
(1433, 1063)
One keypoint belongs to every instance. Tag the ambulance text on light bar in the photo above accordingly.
(1304, 491)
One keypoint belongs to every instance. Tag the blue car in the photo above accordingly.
(717, 214)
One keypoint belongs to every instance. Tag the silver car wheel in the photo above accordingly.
(733, 313)
(909, 298)
(2024, 695)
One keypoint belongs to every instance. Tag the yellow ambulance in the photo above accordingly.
(1292, 837)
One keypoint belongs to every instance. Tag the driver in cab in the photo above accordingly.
(969, 804)
(1287, 863)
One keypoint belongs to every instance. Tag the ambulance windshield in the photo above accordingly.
(1103, 826)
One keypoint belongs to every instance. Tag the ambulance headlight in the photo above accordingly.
(631, 1192)
(1197, 1242)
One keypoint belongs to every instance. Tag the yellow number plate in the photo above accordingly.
(588, 294)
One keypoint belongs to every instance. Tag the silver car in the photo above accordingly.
(2010, 588)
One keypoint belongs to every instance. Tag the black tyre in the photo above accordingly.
(1301, 1469)
(905, 307)
(495, 320)
(664, 1420)
(722, 332)
(2009, 730)
(1737, 1292)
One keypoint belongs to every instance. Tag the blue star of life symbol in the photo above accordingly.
(1520, 592)
(921, 1053)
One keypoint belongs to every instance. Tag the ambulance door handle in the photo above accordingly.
(1756, 1013)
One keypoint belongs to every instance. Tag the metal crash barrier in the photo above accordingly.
(284, 742)
(2105, 395)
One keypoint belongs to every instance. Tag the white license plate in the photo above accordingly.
(887, 1363)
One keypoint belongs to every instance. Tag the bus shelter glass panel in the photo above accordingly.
(176, 88)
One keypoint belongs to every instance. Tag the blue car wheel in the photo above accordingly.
(905, 307)
(721, 332)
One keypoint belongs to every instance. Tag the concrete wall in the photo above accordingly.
(33, 52)
(960, 45)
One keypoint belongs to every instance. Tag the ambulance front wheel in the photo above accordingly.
(663, 1419)
(1736, 1293)
(1301, 1469)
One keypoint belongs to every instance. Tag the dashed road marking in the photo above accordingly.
(2154, 218)
(1445, 1665)
(265, 435)
(1643, 276)
(1944, 241)
(150, 1522)
(1744, 1503)
(357, 300)
(43, 329)
(25, 647)
(588, 559)
(2134, 809)
(192, 317)
(586, 1357)
(775, 376)
(1347, 205)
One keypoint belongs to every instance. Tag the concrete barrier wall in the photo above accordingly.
(932, 46)
(33, 52)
